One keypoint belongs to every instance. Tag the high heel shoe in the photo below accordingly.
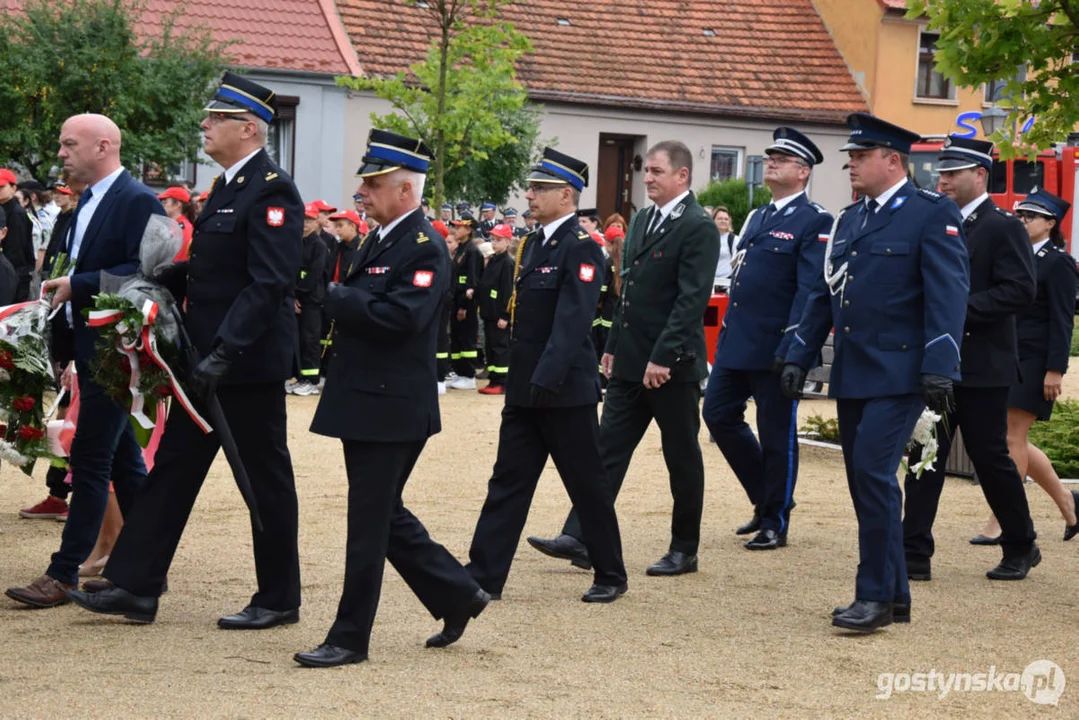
(1071, 531)
(93, 569)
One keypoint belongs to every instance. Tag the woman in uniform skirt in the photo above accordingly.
(1045, 332)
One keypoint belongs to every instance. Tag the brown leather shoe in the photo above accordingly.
(45, 592)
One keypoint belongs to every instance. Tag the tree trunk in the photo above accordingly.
(440, 133)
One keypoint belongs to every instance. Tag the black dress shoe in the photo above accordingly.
(900, 613)
(256, 618)
(93, 586)
(1071, 531)
(919, 570)
(564, 547)
(864, 616)
(674, 563)
(454, 625)
(767, 540)
(604, 593)
(983, 540)
(117, 601)
(1016, 568)
(326, 655)
(752, 526)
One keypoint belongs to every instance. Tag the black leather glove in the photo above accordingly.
(938, 394)
(541, 397)
(791, 381)
(777, 364)
(208, 373)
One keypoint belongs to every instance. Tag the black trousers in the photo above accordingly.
(628, 409)
(527, 436)
(147, 543)
(54, 480)
(982, 414)
(463, 334)
(381, 528)
(442, 352)
(310, 322)
(497, 351)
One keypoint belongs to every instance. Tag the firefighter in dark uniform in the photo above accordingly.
(609, 293)
(1001, 284)
(656, 357)
(552, 391)
(895, 286)
(239, 289)
(495, 289)
(381, 401)
(781, 256)
(350, 230)
(467, 266)
(310, 294)
(487, 220)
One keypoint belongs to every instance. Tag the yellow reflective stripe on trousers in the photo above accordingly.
(441, 356)
(498, 369)
(309, 373)
(469, 354)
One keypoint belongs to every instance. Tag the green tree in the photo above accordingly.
(733, 194)
(463, 99)
(985, 41)
(64, 58)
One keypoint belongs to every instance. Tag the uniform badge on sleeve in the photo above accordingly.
(587, 273)
(423, 278)
(275, 216)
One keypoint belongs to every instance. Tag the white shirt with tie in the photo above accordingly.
(664, 211)
(82, 221)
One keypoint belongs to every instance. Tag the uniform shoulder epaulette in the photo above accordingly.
(930, 194)
(1002, 211)
(582, 235)
(271, 176)
(421, 237)
(820, 208)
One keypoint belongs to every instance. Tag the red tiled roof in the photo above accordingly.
(894, 4)
(767, 58)
(301, 35)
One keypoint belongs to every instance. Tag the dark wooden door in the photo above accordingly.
(614, 177)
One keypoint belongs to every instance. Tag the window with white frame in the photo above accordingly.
(281, 140)
(726, 163)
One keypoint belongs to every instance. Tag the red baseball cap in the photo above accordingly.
(442, 229)
(62, 189)
(310, 210)
(176, 193)
(614, 231)
(323, 206)
(7, 177)
(502, 230)
(351, 215)
(205, 194)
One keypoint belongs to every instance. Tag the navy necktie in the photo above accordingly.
(870, 210)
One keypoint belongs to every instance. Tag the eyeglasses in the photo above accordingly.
(780, 159)
(1029, 216)
(216, 118)
(541, 187)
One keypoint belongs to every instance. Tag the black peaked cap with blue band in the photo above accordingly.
(960, 153)
(1044, 203)
(387, 151)
(509, 212)
(556, 167)
(237, 94)
(868, 131)
(788, 141)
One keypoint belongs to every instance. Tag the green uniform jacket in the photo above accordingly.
(667, 279)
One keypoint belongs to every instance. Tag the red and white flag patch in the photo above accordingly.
(275, 216)
(587, 273)
(951, 230)
(423, 278)
(822, 238)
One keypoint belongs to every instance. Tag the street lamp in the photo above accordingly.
(992, 120)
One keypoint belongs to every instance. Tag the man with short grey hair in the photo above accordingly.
(655, 356)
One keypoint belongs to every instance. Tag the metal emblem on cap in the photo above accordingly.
(782, 132)
(948, 141)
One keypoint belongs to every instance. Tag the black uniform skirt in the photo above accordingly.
(1029, 393)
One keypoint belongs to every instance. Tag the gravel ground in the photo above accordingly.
(747, 636)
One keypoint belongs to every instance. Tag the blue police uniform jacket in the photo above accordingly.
(782, 260)
(899, 309)
(557, 287)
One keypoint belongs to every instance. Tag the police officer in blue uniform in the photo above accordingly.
(239, 286)
(780, 259)
(487, 219)
(895, 287)
(1001, 284)
(552, 390)
(381, 400)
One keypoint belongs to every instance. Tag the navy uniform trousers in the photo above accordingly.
(981, 413)
(767, 467)
(526, 438)
(874, 435)
(381, 528)
(145, 548)
(628, 409)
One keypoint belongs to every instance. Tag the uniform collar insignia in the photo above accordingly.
(898, 202)
(788, 211)
(678, 210)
